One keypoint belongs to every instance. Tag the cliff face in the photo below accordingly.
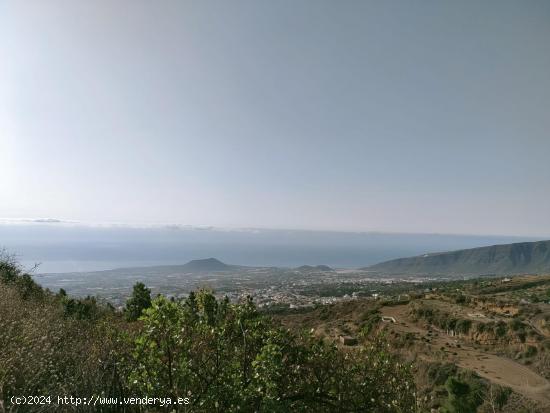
(507, 259)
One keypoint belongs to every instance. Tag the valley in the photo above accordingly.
(497, 329)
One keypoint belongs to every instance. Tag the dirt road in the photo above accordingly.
(497, 369)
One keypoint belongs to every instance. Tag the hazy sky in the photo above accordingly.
(424, 116)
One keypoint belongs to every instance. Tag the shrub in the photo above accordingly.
(438, 373)
(531, 351)
(501, 328)
(230, 358)
(464, 394)
(463, 326)
(516, 324)
(460, 299)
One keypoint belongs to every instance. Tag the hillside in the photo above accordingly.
(507, 259)
(495, 329)
(230, 358)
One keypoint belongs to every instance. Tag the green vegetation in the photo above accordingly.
(441, 319)
(45, 350)
(232, 357)
(371, 319)
(464, 394)
(224, 357)
(463, 326)
(452, 390)
(438, 373)
(467, 392)
(139, 301)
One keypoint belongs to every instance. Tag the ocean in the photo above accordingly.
(67, 248)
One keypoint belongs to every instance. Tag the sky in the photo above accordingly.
(427, 116)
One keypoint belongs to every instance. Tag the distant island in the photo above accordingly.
(506, 259)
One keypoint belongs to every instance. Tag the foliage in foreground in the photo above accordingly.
(224, 357)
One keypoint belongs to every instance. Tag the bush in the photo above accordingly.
(230, 358)
(531, 351)
(460, 299)
(438, 373)
(44, 352)
(463, 326)
(501, 329)
(371, 319)
(516, 324)
(464, 394)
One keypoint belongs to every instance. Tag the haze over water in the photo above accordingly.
(67, 247)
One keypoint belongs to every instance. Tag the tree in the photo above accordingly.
(9, 268)
(230, 358)
(139, 301)
(464, 395)
(156, 349)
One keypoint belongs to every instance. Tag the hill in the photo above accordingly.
(507, 259)
(193, 266)
(207, 264)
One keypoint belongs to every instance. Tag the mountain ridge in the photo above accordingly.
(503, 259)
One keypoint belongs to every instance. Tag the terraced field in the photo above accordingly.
(497, 369)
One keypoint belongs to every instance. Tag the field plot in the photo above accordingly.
(497, 369)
